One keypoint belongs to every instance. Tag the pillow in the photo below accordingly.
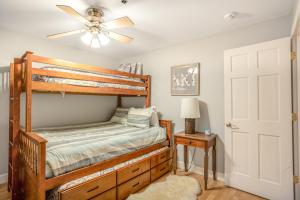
(120, 116)
(139, 68)
(133, 68)
(139, 117)
(124, 68)
(154, 121)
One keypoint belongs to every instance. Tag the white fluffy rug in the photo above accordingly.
(174, 188)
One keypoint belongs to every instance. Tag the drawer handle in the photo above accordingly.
(190, 142)
(136, 184)
(135, 170)
(162, 169)
(95, 188)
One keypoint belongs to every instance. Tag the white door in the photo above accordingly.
(258, 131)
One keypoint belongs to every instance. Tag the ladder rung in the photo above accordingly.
(11, 121)
(11, 98)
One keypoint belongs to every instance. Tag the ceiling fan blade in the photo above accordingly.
(59, 35)
(119, 37)
(118, 23)
(70, 11)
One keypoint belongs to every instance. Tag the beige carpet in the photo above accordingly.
(174, 188)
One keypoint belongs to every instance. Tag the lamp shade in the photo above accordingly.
(190, 108)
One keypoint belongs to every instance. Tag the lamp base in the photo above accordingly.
(189, 126)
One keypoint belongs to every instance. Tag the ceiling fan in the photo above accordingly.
(97, 32)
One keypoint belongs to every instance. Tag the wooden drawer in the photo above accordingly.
(91, 188)
(128, 172)
(160, 158)
(133, 185)
(108, 195)
(189, 142)
(160, 170)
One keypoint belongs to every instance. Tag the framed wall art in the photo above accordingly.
(185, 80)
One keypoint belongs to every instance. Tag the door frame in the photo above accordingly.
(295, 43)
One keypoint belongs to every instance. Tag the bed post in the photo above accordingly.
(32, 153)
(148, 88)
(42, 172)
(168, 125)
(28, 66)
(14, 127)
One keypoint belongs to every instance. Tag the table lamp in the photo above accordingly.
(190, 111)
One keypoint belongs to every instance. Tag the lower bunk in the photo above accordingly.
(116, 169)
(117, 182)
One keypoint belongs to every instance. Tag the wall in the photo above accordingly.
(209, 53)
(53, 109)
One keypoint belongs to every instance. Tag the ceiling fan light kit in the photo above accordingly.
(97, 32)
(95, 40)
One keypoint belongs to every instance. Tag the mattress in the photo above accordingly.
(54, 193)
(73, 147)
(48, 79)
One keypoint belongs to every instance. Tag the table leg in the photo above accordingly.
(214, 162)
(206, 168)
(175, 158)
(185, 158)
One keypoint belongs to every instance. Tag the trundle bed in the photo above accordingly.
(92, 161)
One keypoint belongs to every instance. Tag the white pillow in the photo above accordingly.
(139, 68)
(120, 116)
(154, 121)
(133, 68)
(140, 117)
(124, 68)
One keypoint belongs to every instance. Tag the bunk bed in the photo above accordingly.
(28, 172)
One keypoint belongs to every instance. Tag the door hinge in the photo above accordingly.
(293, 55)
(294, 117)
(295, 179)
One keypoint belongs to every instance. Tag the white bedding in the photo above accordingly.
(86, 83)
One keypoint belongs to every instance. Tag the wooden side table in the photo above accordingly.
(199, 140)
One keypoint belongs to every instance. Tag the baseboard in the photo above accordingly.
(3, 178)
(200, 170)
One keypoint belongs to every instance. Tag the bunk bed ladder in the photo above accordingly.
(14, 124)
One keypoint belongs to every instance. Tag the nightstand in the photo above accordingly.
(198, 140)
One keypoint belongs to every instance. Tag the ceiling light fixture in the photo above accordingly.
(95, 39)
(98, 33)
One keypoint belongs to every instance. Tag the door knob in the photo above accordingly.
(228, 124)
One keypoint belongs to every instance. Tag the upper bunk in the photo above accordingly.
(57, 75)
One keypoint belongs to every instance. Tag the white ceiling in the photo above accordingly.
(158, 23)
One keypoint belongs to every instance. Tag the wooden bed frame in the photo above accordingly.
(27, 150)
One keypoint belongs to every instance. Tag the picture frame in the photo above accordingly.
(185, 80)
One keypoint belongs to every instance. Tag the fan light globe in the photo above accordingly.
(104, 40)
(95, 40)
(86, 38)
